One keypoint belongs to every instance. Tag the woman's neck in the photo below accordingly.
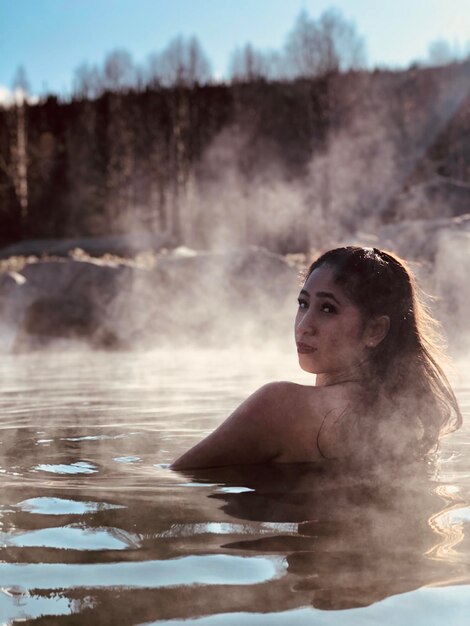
(326, 380)
(355, 374)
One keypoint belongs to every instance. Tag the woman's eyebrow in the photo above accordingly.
(304, 292)
(327, 294)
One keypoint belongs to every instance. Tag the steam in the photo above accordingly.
(453, 291)
(244, 194)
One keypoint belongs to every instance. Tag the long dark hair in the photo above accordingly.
(406, 382)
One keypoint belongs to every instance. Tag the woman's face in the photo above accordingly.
(329, 328)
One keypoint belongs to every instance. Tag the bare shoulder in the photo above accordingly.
(282, 391)
(251, 434)
(309, 397)
(281, 400)
(269, 406)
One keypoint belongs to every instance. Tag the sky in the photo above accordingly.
(51, 38)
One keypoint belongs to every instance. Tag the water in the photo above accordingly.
(95, 528)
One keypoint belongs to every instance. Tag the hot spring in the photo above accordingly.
(96, 529)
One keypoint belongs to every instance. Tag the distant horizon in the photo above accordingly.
(52, 38)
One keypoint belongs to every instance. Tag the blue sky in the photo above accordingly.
(50, 38)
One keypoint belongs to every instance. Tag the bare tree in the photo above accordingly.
(182, 62)
(329, 44)
(20, 146)
(275, 65)
(302, 47)
(342, 48)
(441, 52)
(88, 81)
(247, 64)
(153, 69)
(199, 68)
(119, 71)
(20, 84)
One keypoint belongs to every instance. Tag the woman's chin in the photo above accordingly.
(306, 366)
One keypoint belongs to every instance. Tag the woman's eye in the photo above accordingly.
(326, 307)
(303, 304)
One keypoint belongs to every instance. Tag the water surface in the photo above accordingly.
(95, 528)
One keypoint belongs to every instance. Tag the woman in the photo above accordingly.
(380, 394)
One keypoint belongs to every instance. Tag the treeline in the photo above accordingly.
(313, 47)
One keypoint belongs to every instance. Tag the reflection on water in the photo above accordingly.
(80, 467)
(72, 538)
(95, 527)
(60, 506)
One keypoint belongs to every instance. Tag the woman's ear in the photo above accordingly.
(376, 331)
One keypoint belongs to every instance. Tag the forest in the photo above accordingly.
(290, 151)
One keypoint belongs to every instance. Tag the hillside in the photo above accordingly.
(286, 165)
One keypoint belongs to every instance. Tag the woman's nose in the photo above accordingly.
(307, 324)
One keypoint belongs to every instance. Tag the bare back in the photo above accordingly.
(317, 426)
(282, 422)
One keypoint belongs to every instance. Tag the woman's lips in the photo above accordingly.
(303, 348)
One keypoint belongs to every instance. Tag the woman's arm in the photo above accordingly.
(252, 433)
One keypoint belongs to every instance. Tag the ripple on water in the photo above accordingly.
(458, 516)
(213, 569)
(228, 528)
(234, 489)
(16, 605)
(197, 484)
(98, 437)
(62, 506)
(79, 467)
(73, 538)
